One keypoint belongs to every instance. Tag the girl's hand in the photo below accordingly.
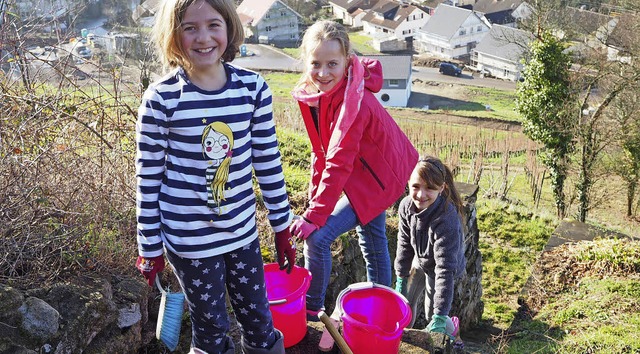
(149, 267)
(285, 249)
(302, 228)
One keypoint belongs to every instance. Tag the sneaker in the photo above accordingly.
(312, 315)
(456, 326)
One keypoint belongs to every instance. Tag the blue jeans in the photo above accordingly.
(317, 250)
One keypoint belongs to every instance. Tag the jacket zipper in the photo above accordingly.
(366, 165)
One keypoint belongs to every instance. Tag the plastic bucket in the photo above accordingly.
(374, 317)
(287, 299)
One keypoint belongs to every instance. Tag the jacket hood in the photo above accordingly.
(372, 74)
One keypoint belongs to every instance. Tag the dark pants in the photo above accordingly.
(205, 281)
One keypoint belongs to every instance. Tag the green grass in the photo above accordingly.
(600, 316)
(501, 103)
(510, 241)
(296, 151)
(361, 43)
(281, 83)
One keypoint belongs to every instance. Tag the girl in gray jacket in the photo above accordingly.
(430, 253)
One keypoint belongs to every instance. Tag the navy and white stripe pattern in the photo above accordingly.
(171, 165)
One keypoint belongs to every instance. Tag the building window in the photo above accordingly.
(268, 15)
(463, 31)
(268, 29)
(282, 13)
(291, 25)
(479, 28)
(394, 82)
(385, 97)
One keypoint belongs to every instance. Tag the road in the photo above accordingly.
(265, 57)
(268, 58)
(431, 74)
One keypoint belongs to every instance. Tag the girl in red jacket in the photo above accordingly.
(357, 149)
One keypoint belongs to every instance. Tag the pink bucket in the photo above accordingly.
(374, 317)
(287, 299)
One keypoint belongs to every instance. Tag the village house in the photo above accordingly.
(451, 32)
(621, 39)
(350, 12)
(396, 88)
(50, 15)
(270, 22)
(500, 12)
(393, 21)
(144, 14)
(499, 53)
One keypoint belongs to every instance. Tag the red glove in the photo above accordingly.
(149, 267)
(285, 249)
(302, 228)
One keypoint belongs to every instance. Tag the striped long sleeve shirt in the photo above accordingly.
(197, 153)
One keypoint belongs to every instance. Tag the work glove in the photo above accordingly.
(441, 324)
(302, 228)
(149, 267)
(401, 285)
(285, 249)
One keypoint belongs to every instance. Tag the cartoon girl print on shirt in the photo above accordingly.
(217, 145)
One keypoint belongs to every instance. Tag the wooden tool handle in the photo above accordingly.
(344, 348)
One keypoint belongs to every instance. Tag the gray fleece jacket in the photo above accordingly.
(435, 236)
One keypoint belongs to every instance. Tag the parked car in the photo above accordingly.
(83, 51)
(450, 69)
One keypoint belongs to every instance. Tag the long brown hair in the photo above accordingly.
(436, 174)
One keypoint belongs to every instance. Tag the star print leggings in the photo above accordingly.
(203, 282)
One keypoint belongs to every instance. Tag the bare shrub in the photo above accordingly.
(67, 184)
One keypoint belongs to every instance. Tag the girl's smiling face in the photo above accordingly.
(203, 35)
(327, 64)
(216, 145)
(422, 195)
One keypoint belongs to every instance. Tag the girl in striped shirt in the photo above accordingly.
(204, 130)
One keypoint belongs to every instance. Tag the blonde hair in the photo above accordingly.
(166, 31)
(319, 32)
(222, 174)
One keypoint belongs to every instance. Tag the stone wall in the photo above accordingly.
(87, 315)
(117, 315)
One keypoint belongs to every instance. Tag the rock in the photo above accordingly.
(10, 302)
(39, 320)
(128, 316)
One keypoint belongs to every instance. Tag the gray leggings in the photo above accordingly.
(419, 283)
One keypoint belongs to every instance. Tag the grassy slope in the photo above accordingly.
(512, 237)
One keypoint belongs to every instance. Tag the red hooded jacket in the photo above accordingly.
(366, 155)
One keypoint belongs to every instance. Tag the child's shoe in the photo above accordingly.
(312, 315)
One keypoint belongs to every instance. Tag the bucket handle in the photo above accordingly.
(277, 302)
(364, 286)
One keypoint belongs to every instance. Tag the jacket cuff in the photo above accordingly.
(317, 220)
